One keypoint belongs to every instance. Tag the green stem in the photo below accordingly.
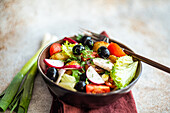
(10, 92)
(28, 88)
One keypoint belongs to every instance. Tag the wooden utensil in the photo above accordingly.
(139, 57)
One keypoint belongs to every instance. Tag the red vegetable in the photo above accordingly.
(92, 88)
(93, 76)
(72, 67)
(70, 40)
(59, 64)
(116, 50)
(104, 34)
(54, 63)
(55, 48)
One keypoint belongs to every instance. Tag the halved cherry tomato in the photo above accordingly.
(55, 48)
(92, 88)
(116, 50)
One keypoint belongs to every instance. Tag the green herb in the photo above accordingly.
(73, 58)
(87, 54)
(87, 82)
(76, 73)
(108, 62)
(79, 37)
(107, 72)
(83, 63)
(87, 48)
(91, 61)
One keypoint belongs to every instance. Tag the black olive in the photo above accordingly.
(89, 43)
(103, 52)
(77, 49)
(52, 73)
(80, 86)
(84, 39)
(83, 77)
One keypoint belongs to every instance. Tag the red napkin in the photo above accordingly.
(125, 104)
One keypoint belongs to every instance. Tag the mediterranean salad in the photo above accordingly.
(92, 67)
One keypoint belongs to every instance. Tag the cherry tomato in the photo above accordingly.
(116, 50)
(92, 88)
(55, 48)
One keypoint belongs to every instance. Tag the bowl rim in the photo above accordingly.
(83, 93)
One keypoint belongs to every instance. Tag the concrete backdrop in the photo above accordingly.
(143, 25)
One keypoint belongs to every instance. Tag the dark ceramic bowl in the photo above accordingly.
(80, 99)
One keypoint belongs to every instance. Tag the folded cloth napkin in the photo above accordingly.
(125, 104)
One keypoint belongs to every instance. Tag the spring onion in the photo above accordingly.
(11, 95)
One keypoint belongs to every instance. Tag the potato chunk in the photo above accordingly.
(99, 44)
(113, 58)
(59, 56)
(73, 63)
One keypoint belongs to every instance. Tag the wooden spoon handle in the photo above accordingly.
(148, 61)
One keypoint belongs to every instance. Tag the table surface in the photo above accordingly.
(143, 25)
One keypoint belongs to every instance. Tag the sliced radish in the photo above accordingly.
(54, 63)
(72, 67)
(61, 73)
(93, 76)
(105, 64)
(70, 40)
(58, 64)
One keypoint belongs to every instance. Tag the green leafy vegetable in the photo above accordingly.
(87, 54)
(73, 58)
(67, 48)
(68, 82)
(79, 37)
(76, 73)
(123, 71)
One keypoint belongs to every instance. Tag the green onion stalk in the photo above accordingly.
(17, 96)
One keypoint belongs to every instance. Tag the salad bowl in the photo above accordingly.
(81, 99)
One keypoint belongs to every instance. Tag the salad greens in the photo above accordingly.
(79, 37)
(91, 64)
(67, 48)
(76, 73)
(123, 71)
(68, 82)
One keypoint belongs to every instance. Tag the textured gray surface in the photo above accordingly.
(143, 25)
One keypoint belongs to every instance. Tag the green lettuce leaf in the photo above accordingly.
(67, 48)
(124, 71)
(68, 82)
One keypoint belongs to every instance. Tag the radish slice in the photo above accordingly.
(72, 67)
(93, 76)
(105, 64)
(58, 64)
(70, 40)
(61, 73)
(54, 63)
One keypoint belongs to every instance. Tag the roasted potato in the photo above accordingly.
(73, 63)
(59, 56)
(99, 44)
(112, 58)
(69, 72)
